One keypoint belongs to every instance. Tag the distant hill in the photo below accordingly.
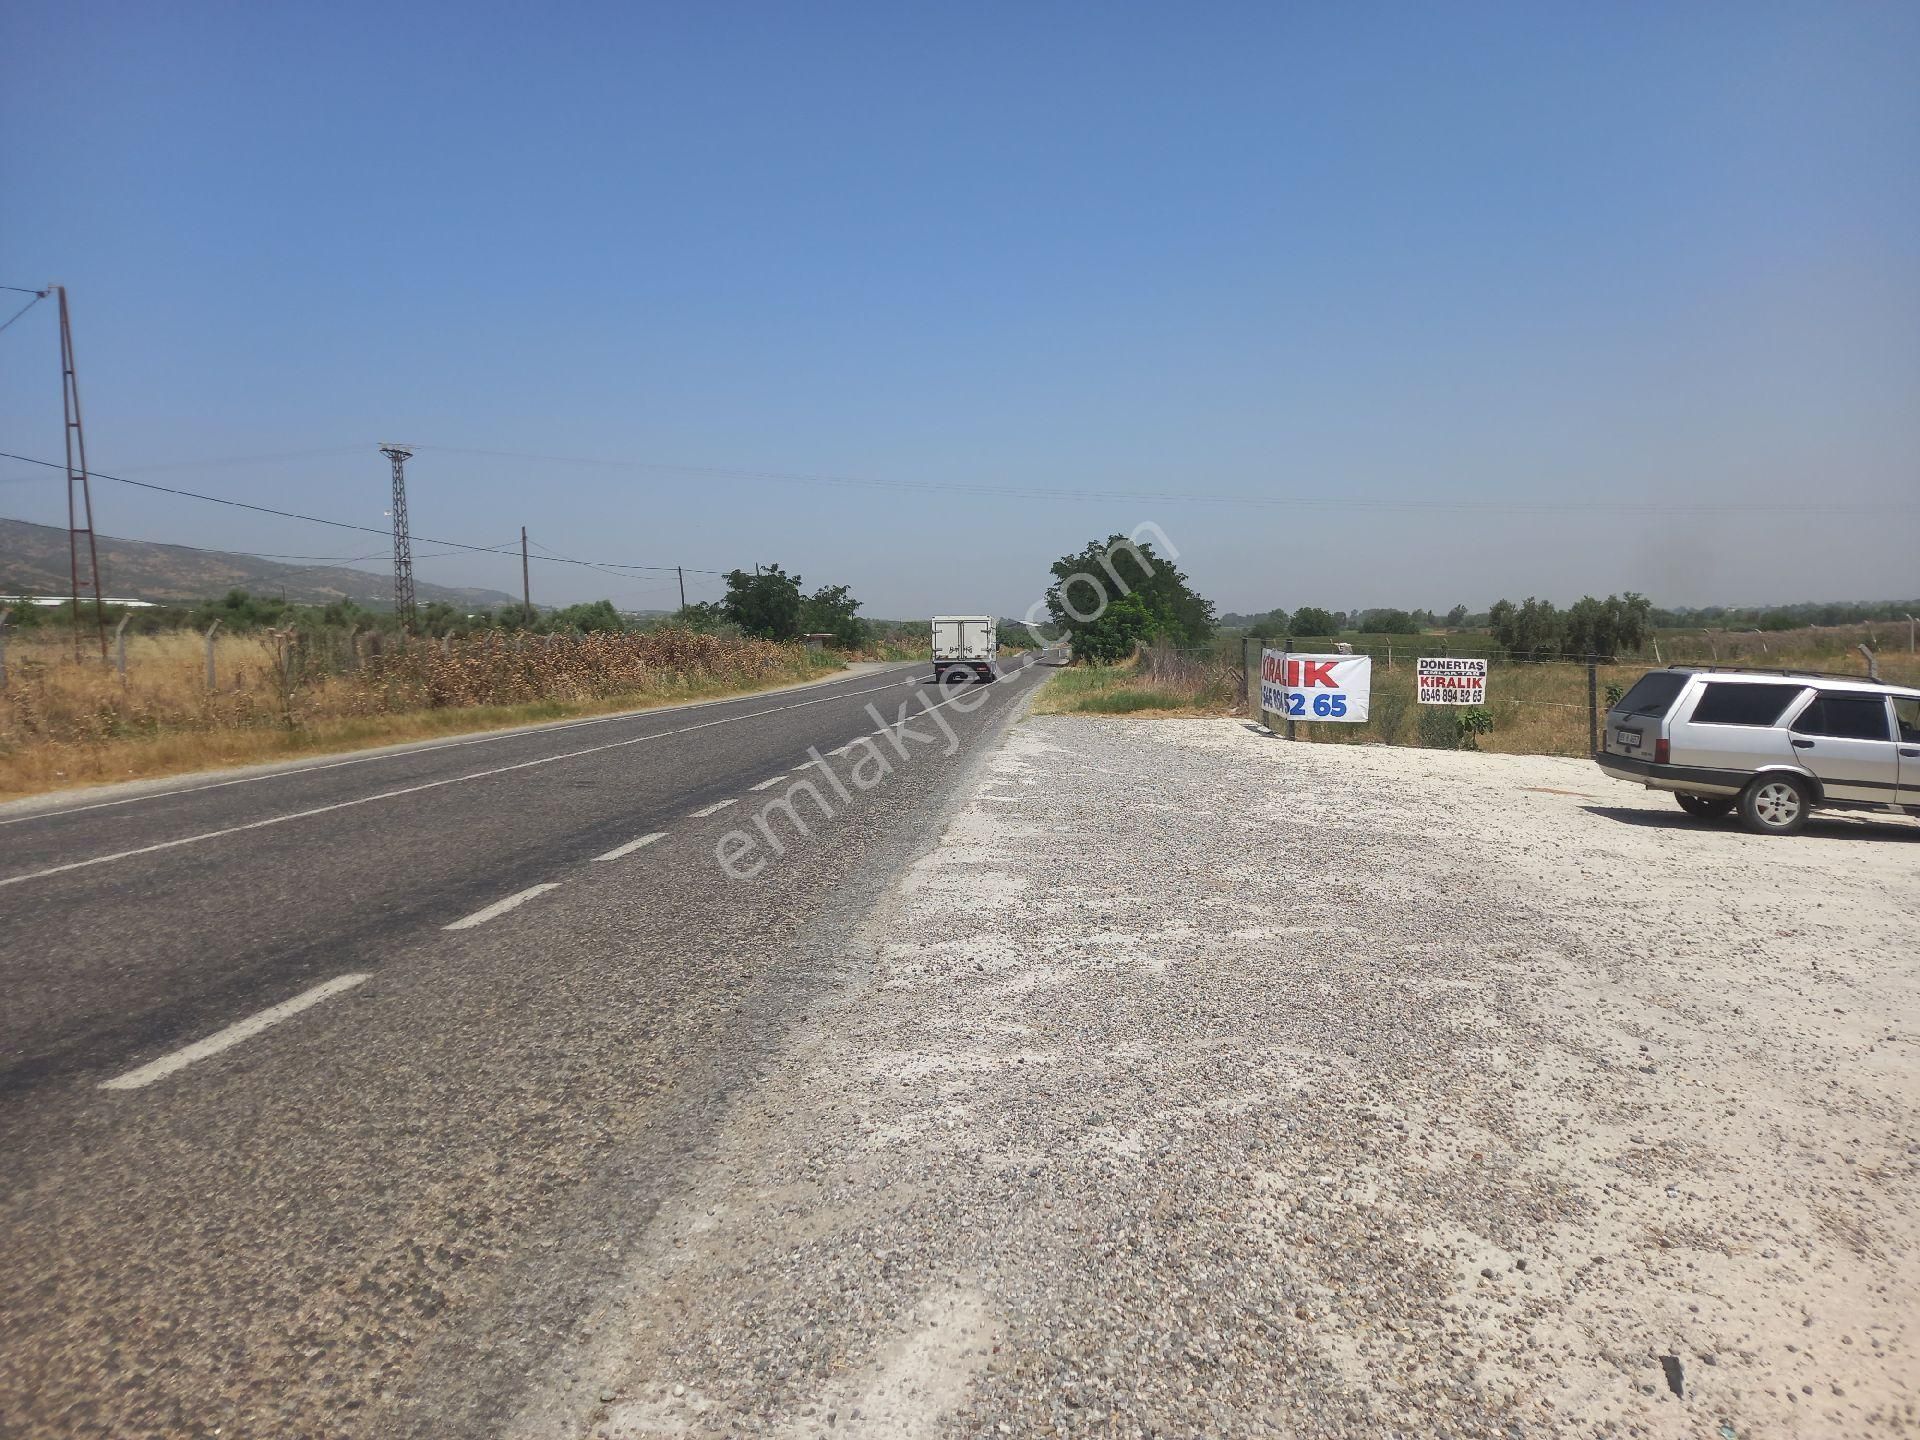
(33, 560)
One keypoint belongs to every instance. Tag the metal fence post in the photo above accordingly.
(1286, 649)
(210, 672)
(120, 646)
(6, 612)
(1253, 653)
(1593, 705)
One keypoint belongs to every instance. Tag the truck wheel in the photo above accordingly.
(1704, 807)
(1776, 805)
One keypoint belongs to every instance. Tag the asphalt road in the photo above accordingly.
(331, 1098)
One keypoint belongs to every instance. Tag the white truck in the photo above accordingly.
(965, 642)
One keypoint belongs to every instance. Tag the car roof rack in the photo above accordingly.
(1782, 670)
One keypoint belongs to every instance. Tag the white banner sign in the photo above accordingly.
(1316, 687)
(1441, 681)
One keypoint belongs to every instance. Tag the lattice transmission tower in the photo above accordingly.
(403, 605)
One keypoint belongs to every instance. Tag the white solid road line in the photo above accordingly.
(520, 732)
(226, 1039)
(500, 907)
(712, 809)
(767, 784)
(412, 790)
(632, 845)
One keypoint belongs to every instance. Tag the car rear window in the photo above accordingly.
(1652, 694)
(1845, 717)
(1729, 703)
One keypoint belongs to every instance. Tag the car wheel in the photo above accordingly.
(1704, 807)
(1775, 805)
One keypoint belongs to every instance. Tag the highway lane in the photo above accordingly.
(376, 1214)
(238, 891)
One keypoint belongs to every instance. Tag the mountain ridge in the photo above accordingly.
(33, 561)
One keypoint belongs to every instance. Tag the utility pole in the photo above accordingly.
(79, 492)
(682, 574)
(526, 583)
(403, 606)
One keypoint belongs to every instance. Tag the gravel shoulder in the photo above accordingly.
(1202, 1084)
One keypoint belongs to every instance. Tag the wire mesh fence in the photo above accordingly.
(1537, 705)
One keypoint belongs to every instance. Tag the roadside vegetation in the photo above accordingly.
(1144, 643)
(1534, 707)
(309, 687)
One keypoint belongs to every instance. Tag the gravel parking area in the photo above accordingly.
(1200, 1084)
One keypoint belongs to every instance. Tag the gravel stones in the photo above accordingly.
(1201, 1084)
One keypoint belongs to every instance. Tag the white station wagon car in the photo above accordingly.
(1776, 744)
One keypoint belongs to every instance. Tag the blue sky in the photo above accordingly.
(1490, 279)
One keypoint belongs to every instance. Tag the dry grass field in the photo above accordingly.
(1535, 708)
(64, 724)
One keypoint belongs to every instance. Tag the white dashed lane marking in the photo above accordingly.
(714, 809)
(632, 845)
(226, 1039)
(501, 907)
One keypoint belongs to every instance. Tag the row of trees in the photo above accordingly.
(1311, 620)
(1531, 630)
(1535, 630)
(769, 603)
(239, 611)
(1783, 617)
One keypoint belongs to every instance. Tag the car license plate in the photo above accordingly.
(1628, 738)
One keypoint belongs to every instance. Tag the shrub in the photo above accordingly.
(1446, 727)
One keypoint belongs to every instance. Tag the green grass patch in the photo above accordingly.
(1125, 702)
(1106, 690)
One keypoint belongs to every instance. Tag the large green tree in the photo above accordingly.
(1388, 622)
(764, 602)
(1311, 620)
(1117, 593)
(832, 610)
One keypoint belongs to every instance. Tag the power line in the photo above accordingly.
(1284, 502)
(24, 308)
(336, 524)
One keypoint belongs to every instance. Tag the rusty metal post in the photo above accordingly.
(1593, 705)
(1286, 650)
